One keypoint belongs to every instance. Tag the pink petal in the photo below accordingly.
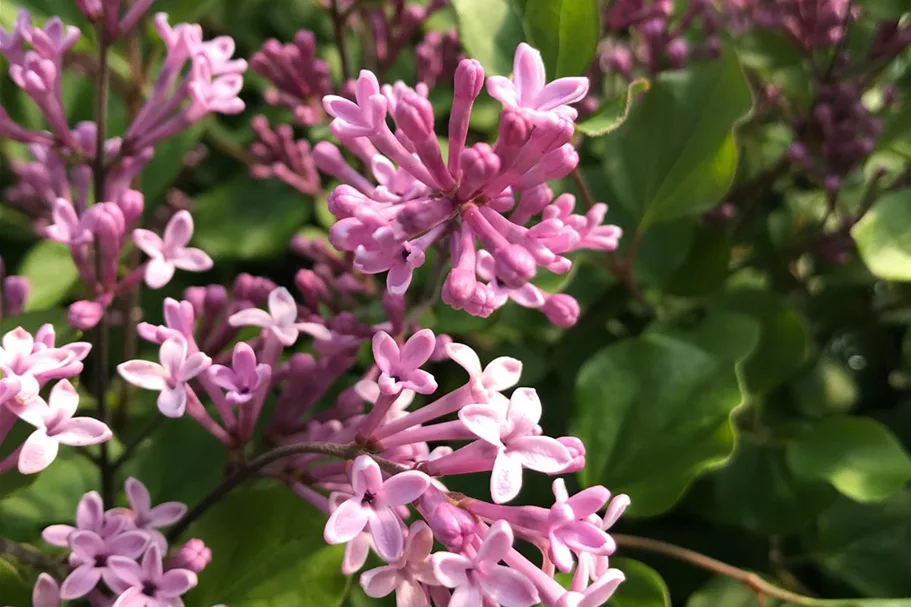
(484, 422)
(366, 86)
(466, 595)
(496, 543)
(133, 597)
(195, 364)
(403, 488)
(598, 593)
(86, 544)
(339, 107)
(90, 511)
(385, 352)
(82, 431)
(79, 349)
(505, 478)
(418, 349)
(172, 402)
(399, 278)
(465, 357)
(524, 412)
(420, 381)
(33, 411)
(379, 582)
(502, 373)
(18, 342)
(588, 501)
(560, 554)
(366, 476)
(585, 537)
(386, 529)
(172, 354)
(282, 306)
(130, 544)
(419, 542)
(508, 588)
(287, 335)
(450, 569)
(527, 296)
(314, 330)
(356, 552)
(158, 272)
(178, 232)
(138, 496)
(64, 399)
(615, 510)
(176, 582)
(166, 514)
(126, 569)
(540, 453)
(152, 567)
(80, 582)
(503, 90)
(411, 594)
(192, 260)
(46, 592)
(561, 92)
(148, 242)
(38, 451)
(528, 74)
(346, 522)
(223, 377)
(251, 316)
(57, 535)
(143, 373)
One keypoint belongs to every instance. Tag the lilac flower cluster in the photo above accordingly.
(811, 24)
(438, 55)
(403, 453)
(124, 549)
(392, 29)
(483, 194)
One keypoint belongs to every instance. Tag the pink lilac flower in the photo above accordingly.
(90, 516)
(406, 575)
(481, 577)
(55, 425)
(244, 378)
(21, 360)
(400, 368)
(280, 320)
(516, 437)
(372, 505)
(92, 559)
(146, 518)
(68, 228)
(148, 584)
(193, 555)
(171, 252)
(170, 377)
(568, 527)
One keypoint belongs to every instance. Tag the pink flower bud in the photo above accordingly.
(577, 449)
(15, 293)
(514, 265)
(451, 525)
(459, 287)
(312, 288)
(193, 555)
(131, 203)
(562, 310)
(414, 115)
(84, 315)
(469, 79)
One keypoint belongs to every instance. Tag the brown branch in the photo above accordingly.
(753, 582)
(28, 555)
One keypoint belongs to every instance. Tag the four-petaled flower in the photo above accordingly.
(372, 505)
(148, 585)
(406, 574)
(54, 425)
(475, 579)
(568, 527)
(20, 359)
(171, 252)
(146, 518)
(500, 374)
(244, 378)
(515, 435)
(363, 117)
(90, 516)
(400, 368)
(527, 89)
(91, 558)
(281, 319)
(170, 377)
(67, 228)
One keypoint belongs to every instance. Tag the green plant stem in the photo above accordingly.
(27, 555)
(753, 582)
(338, 32)
(347, 452)
(100, 349)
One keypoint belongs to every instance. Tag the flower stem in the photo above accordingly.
(753, 582)
(338, 31)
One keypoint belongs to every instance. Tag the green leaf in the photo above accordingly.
(168, 162)
(654, 411)
(611, 115)
(14, 588)
(182, 463)
(705, 267)
(858, 455)
(883, 237)
(267, 551)
(248, 219)
(490, 30)
(643, 587)
(51, 273)
(52, 498)
(566, 32)
(675, 154)
(783, 342)
(722, 592)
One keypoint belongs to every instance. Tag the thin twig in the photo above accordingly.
(349, 451)
(584, 190)
(145, 433)
(28, 555)
(338, 31)
(753, 582)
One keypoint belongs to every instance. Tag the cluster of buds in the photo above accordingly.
(120, 557)
(392, 27)
(276, 154)
(836, 136)
(658, 38)
(197, 78)
(396, 456)
(298, 79)
(481, 194)
(14, 292)
(811, 24)
(438, 56)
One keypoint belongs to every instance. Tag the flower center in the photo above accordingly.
(149, 589)
(101, 560)
(368, 498)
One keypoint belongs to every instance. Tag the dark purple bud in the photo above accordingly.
(15, 293)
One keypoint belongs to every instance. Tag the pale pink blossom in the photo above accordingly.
(400, 368)
(148, 584)
(21, 360)
(281, 319)
(170, 377)
(405, 575)
(92, 557)
(171, 252)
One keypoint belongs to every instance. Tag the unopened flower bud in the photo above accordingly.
(84, 315)
(514, 265)
(577, 449)
(562, 310)
(193, 555)
(15, 293)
